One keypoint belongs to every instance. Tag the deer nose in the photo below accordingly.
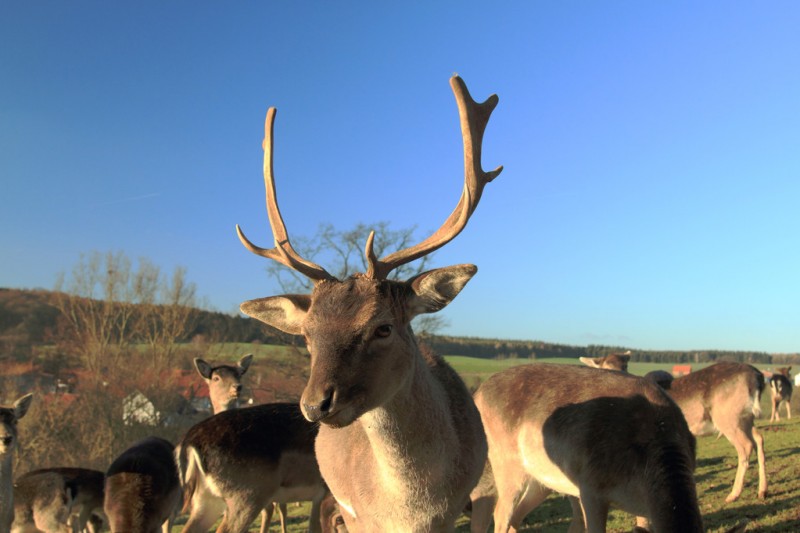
(7, 440)
(237, 389)
(314, 412)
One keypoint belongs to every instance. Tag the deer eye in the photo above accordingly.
(215, 378)
(383, 331)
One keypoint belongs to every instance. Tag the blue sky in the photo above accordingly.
(651, 152)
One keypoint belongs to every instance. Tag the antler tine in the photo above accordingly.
(474, 119)
(283, 252)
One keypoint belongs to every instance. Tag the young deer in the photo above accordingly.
(86, 492)
(9, 416)
(400, 443)
(142, 492)
(607, 438)
(224, 382)
(726, 397)
(224, 388)
(781, 387)
(245, 459)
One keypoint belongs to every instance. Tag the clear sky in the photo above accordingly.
(651, 152)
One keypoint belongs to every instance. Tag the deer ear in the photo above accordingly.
(285, 313)
(434, 289)
(21, 405)
(203, 368)
(244, 362)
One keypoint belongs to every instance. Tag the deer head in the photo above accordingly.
(357, 330)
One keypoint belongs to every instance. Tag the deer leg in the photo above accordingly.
(533, 496)
(266, 517)
(238, 516)
(283, 514)
(775, 416)
(515, 502)
(595, 512)
(762, 468)
(576, 525)
(206, 509)
(789, 408)
(314, 524)
(743, 443)
(481, 516)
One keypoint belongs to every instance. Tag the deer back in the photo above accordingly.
(141, 488)
(712, 395)
(582, 431)
(253, 449)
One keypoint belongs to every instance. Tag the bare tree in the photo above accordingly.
(108, 306)
(166, 308)
(344, 250)
(96, 303)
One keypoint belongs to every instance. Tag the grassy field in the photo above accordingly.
(779, 512)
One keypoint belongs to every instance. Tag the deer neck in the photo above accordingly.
(414, 430)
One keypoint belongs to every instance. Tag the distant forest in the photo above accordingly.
(30, 319)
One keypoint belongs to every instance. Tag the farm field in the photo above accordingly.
(779, 512)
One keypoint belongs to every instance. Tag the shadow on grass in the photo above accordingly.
(761, 516)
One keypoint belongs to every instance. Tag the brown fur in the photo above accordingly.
(86, 489)
(726, 397)
(401, 443)
(606, 437)
(142, 491)
(248, 457)
(42, 502)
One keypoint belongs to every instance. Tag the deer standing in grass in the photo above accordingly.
(607, 438)
(400, 442)
(780, 386)
(241, 460)
(724, 397)
(142, 492)
(224, 389)
(9, 435)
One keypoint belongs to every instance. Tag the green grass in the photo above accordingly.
(779, 512)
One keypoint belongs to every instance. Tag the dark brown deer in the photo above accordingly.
(225, 387)
(9, 436)
(142, 492)
(780, 386)
(607, 438)
(726, 397)
(400, 443)
(86, 492)
(245, 459)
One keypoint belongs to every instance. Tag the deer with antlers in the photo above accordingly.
(9, 416)
(400, 442)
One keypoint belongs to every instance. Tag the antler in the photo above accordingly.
(283, 251)
(474, 118)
